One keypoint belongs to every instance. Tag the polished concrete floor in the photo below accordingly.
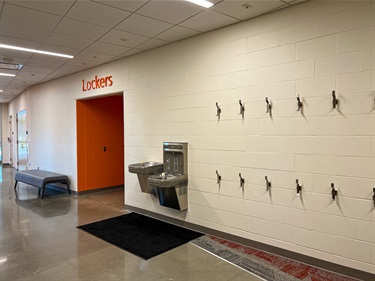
(39, 241)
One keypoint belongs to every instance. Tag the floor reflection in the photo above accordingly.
(39, 241)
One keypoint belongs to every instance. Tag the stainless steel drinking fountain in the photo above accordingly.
(143, 171)
(171, 185)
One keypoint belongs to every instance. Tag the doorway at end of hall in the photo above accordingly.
(100, 143)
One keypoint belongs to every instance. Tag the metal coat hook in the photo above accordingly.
(299, 104)
(268, 106)
(268, 183)
(242, 108)
(335, 101)
(218, 177)
(373, 196)
(218, 110)
(333, 191)
(298, 187)
(242, 180)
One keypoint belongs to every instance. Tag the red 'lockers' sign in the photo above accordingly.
(97, 83)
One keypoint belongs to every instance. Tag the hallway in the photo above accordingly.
(39, 241)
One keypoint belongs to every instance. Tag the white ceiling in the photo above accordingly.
(100, 31)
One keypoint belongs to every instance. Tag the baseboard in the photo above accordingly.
(97, 190)
(329, 266)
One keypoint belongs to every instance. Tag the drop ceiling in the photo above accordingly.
(99, 31)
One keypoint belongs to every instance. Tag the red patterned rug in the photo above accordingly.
(265, 265)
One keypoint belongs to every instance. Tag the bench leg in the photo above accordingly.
(43, 190)
(15, 185)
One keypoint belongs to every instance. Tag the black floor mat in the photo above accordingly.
(143, 236)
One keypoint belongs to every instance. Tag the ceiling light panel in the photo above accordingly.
(16, 48)
(170, 11)
(203, 3)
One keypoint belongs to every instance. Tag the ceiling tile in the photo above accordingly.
(123, 38)
(37, 69)
(30, 76)
(68, 41)
(106, 48)
(177, 33)
(56, 7)
(95, 57)
(83, 63)
(236, 9)
(208, 20)
(131, 52)
(97, 13)
(65, 70)
(170, 11)
(143, 25)
(152, 43)
(81, 29)
(5, 80)
(27, 24)
(129, 5)
(47, 62)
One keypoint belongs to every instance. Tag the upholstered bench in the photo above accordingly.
(41, 178)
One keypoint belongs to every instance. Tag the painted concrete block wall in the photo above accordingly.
(308, 50)
(170, 95)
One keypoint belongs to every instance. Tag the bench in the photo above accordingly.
(40, 178)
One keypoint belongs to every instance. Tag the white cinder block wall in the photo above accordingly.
(170, 93)
(308, 50)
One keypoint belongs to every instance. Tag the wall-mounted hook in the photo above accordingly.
(299, 104)
(298, 187)
(242, 108)
(333, 191)
(268, 106)
(268, 183)
(218, 110)
(218, 177)
(373, 196)
(335, 101)
(242, 180)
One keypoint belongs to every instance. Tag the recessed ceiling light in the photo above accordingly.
(35, 51)
(1, 91)
(7, 74)
(202, 3)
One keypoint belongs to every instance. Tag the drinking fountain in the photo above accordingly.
(171, 185)
(143, 171)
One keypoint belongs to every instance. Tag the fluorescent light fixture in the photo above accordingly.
(1, 91)
(34, 51)
(2, 260)
(10, 66)
(7, 74)
(202, 3)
